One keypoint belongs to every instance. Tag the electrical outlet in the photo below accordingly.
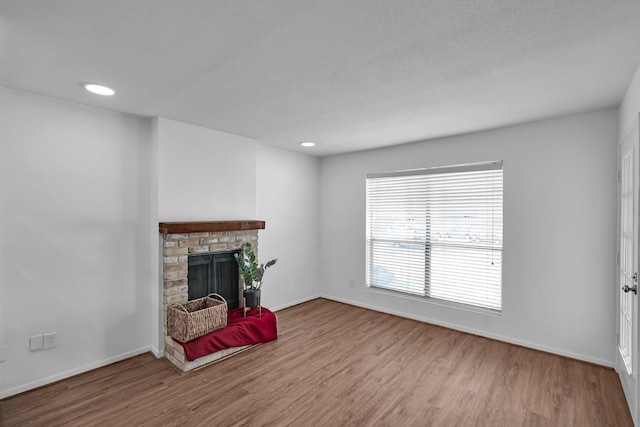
(351, 283)
(35, 343)
(49, 340)
(3, 353)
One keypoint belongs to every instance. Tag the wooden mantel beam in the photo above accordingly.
(196, 227)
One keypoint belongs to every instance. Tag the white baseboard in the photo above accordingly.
(70, 373)
(510, 340)
(53, 378)
(157, 353)
(296, 302)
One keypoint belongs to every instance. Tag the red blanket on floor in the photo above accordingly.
(239, 331)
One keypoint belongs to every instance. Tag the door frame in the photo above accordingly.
(630, 383)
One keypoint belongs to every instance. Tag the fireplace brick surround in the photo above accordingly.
(179, 240)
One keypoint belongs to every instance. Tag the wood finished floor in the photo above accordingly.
(338, 365)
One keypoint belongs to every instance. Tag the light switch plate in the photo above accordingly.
(35, 342)
(3, 353)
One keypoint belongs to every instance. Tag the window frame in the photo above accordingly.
(428, 243)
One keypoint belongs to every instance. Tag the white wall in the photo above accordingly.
(288, 197)
(198, 167)
(74, 245)
(559, 231)
(153, 238)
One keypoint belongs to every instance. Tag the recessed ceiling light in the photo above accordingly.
(308, 144)
(99, 89)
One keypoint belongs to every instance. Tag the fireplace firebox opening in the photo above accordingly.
(214, 273)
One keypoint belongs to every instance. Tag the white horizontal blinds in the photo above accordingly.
(466, 237)
(438, 233)
(396, 209)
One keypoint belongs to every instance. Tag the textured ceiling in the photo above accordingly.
(347, 74)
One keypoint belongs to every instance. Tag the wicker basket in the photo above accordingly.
(196, 318)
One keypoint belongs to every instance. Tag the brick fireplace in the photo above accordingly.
(181, 239)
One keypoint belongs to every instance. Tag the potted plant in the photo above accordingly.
(252, 273)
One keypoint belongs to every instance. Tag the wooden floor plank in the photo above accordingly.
(338, 365)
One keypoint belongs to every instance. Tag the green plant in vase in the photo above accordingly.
(252, 273)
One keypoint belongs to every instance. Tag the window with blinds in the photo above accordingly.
(437, 233)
